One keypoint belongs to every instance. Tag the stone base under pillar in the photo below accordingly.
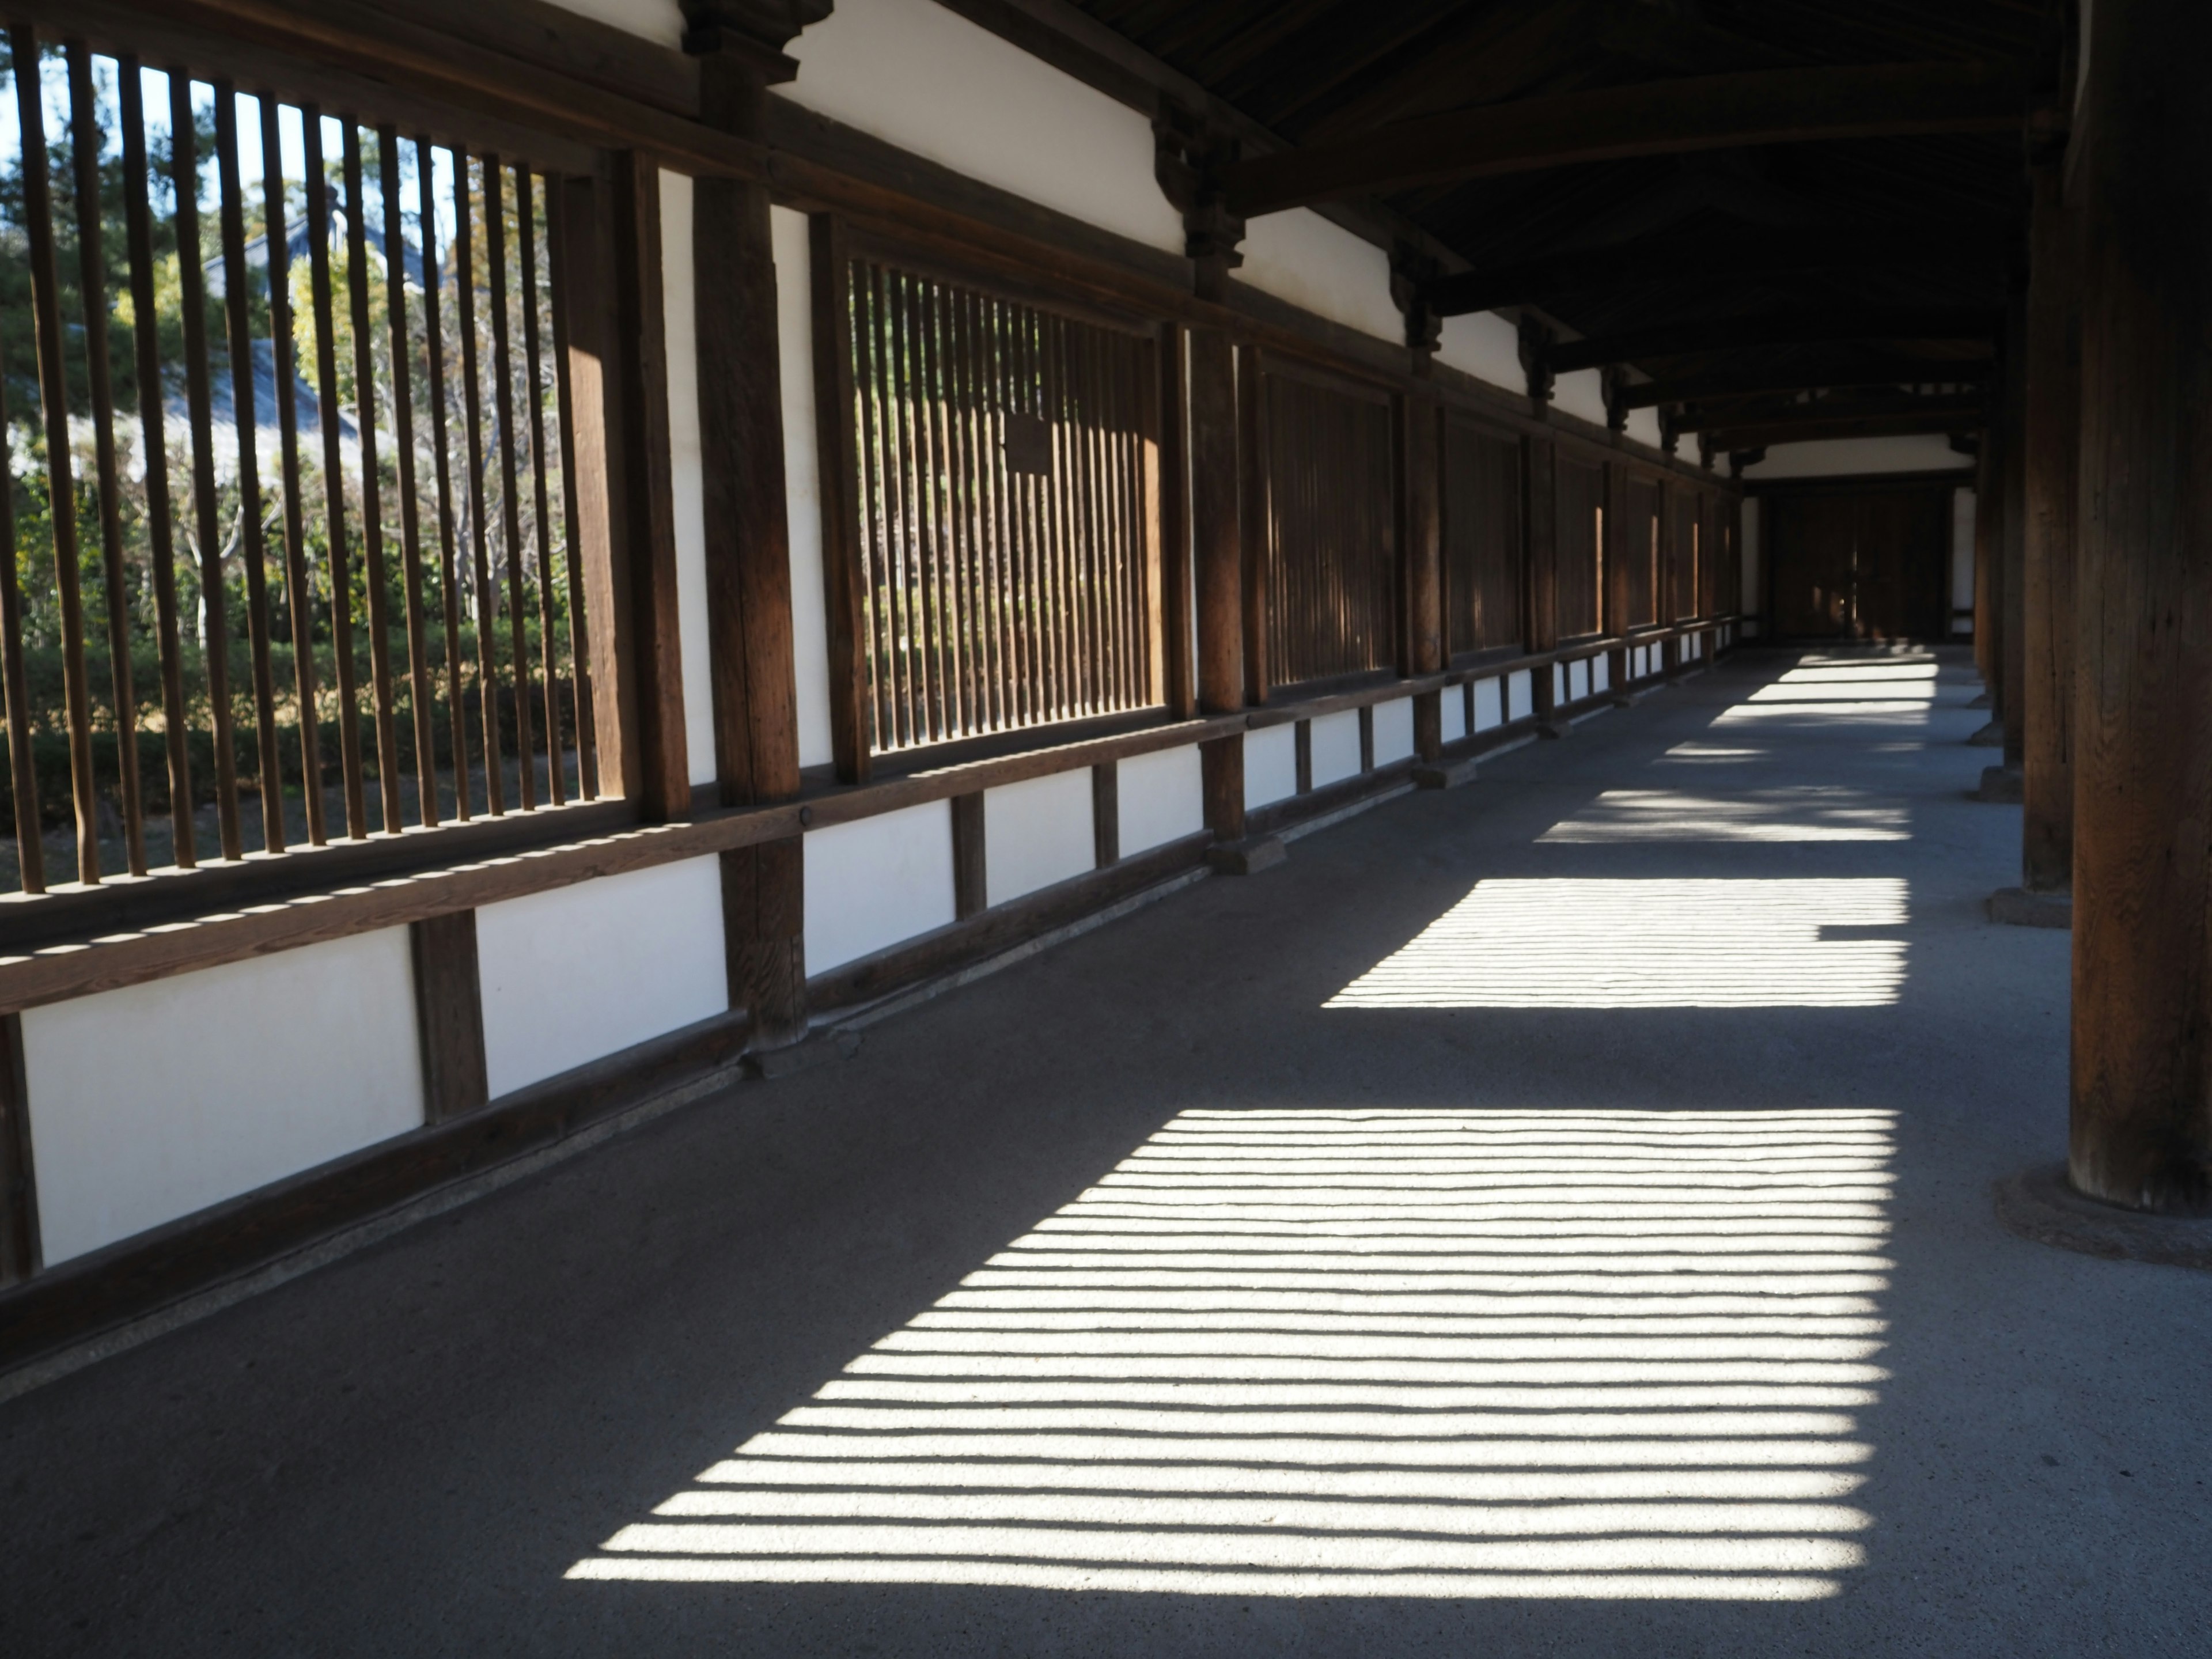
(1444, 774)
(1982, 701)
(821, 1048)
(2041, 1205)
(1990, 737)
(2021, 907)
(1555, 725)
(1248, 857)
(2002, 784)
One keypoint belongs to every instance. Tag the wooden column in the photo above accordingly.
(2142, 1085)
(1421, 552)
(1662, 580)
(2050, 457)
(748, 538)
(646, 498)
(1252, 520)
(1179, 687)
(1540, 562)
(2014, 418)
(1217, 554)
(19, 1189)
(449, 1015)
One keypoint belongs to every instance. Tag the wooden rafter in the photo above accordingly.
(1839, 426)
(1775, 412)
(1727, 334)
(1864, 371)
(1656, 117)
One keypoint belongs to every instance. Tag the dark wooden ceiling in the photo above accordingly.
(1314, 70)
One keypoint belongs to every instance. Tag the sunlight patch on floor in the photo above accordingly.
(1812, 812)
(1361, 1354)
(1590, 942)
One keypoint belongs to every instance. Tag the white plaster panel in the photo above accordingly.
(1559, 683)
(1300, 256)
(1520, 694)
(1643, 427)
(1453, 726)
(1581, 393)
(685, 473)
(1487, 346)
(1489, 709)
(1577, 681)
(1162, 797)
(1393, 730)
(661, 20)
(1962, 550)
(876, 881)
(1270, 765)
(1335, 747)
(1834, 456)
(920, 76)
(802, 483)
(1037, 832)
(581, 972)
(1693, 645)
(1601, 673)
(154, 1101)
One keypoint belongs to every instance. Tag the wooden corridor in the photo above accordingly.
(712, 1349)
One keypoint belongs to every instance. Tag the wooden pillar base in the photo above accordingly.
(1990, 736)
(2024, 906)
(2002, 785)
(764, 939)
(1444, 774)
(1248, 857)
(1221, 768)
(2043, 1207)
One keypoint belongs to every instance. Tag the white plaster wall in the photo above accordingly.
(1335, 746)
(1485, 345)
(874, 883)
(1962, 553)
(1270, 765)
(685, 469)
(1520, 694)
(917, 76)
(1453, 726)
(1559, 683)
(1577, 681)
(1162, 796)
(1393, 730)
(149, 1102)
(1836, 457)
(1036, 832)
(1601, 673)
(1300, 256)
(1489, 708)
(1643, 427)
(661, 20)
(579, 973)
(1582, 393)
(802, 483)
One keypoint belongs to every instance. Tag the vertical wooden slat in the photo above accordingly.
(558, 278)
(503, 384)
(1106, 813)
(525, 220)
(655, 659)
(449, 1014)
(1170, 522)
(334, 505)
(61, 483)
(841, 544)
(92, 290)
(433, 342)
(298, 592)
(970, 879)
(244, 423)
(1213, 507)
(372, 505)
(20, 1251)
(487, 611)
(864, 492)
(161, 534)
(23, 772)
(422, 695)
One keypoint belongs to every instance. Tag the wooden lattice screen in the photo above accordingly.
(302, 383)
(1009, 565)
(1581, 548)
(1481, 538)
(1639, 556)
(1331, 544)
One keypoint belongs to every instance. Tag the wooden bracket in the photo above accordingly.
(1189, 151)
(1413, 275)
(1536, 342)
(1613, 382)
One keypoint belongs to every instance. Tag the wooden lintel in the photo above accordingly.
(1863, 370)
(1656, 117)
(1843, 426)
(1772, 415)
(1975, 326)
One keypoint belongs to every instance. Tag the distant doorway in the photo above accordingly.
(1871, 566)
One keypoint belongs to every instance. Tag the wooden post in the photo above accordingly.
(1217, 554)
(1106, 813)
(449, 1015)
(2051, 455)
(1540, 522)
(19, 1186)
(1171, 508)
(748, 537)
(1419, 449)
(646, 496)
(2013, 416)
(2142, 1083)
(1989, 576)
(970, 872)
(1252, 519)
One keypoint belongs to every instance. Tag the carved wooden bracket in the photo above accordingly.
(1613, 382)
(741, 43)
(1189, 150)
(1536, 341)
(1412, 275)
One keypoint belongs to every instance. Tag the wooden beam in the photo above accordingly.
(19, 1186)
(1974, 326)
(1833, 375)
(1657, 117)
(1866, 426)
(1707, 259)
(1769, 413)
(2051, 458)
(2142, 1059)
(449, 1015)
